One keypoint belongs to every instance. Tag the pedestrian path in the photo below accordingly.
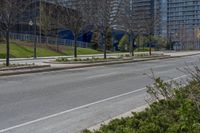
(41, 60)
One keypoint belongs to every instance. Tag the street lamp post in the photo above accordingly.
(35, 31)
(35, 39)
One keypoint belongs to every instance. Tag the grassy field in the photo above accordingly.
(25, 50)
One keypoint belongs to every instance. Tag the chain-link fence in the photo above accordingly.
(48, 40)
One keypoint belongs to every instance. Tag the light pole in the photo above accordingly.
(35, 31)
(103, 35)
(31, 24)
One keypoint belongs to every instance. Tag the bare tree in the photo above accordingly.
(45, 20)
(71, 17)
(130, 23)
(10, 11)
(139, 21)
(149, 30)
(151, 25)
(105, 18)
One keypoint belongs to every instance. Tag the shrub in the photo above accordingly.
(123, 42)
(175, 110)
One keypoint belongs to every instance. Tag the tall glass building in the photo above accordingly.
(153, 12)
(184, 22)
(161, 11)
(177, 20)
(143, 12)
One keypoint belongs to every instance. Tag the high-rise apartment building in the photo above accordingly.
(150, 16)
(143, 13)
(184, 22)
(177, 20)
(160, 10)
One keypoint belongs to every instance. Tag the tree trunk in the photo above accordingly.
(35, 48)
(46, 40)
(57, 45)
(131, 45)
(75, 47)
(7, 48)
(104, 47)
(150, 50)
(132, 42)
(132, 49)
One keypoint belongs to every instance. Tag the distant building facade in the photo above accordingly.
(175, 20)
(33, 12)
(151, 16)
(184, 22)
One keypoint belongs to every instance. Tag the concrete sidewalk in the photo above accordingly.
(167, 54)
(57, 67)
(41, 60)
(181, 53)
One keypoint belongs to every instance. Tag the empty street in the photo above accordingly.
(71, 100)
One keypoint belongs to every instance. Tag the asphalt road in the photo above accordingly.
(72, 100)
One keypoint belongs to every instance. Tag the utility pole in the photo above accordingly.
(35, 30)
(40, 22)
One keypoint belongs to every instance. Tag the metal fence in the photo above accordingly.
(48, 40)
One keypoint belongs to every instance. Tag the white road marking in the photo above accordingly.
(102, 75)
(80, 107)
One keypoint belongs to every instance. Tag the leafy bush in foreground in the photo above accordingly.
(176, 110)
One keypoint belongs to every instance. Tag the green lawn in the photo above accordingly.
(81, 51)
(145, 49)
(25, 51)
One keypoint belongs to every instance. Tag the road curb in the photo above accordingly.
(24, 67)
(88, 65)
(71, 67)
(55, 57)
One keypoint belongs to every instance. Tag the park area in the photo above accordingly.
(19, 49)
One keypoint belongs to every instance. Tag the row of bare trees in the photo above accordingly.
(138, 22)
(81, 16)
(78, 16)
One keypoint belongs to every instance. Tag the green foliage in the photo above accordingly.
(85, 60)
(95, 40)
(176, 110)
(160, 42)
(21, 51)
(108, 38)
(123, 42)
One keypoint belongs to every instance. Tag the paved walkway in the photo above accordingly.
(181, 53)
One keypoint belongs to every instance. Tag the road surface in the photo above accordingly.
(72, 100)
